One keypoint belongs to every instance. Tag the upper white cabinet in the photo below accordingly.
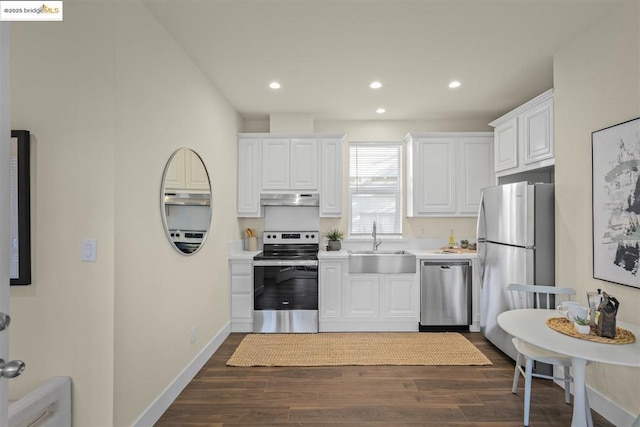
(446, 171)
(331, 177)
(523, 138)
(289, 163)
(249, 170)
(187, 172)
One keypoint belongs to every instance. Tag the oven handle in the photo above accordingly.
(285, 263)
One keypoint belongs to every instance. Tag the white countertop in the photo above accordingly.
(419, 253)
(343, 254)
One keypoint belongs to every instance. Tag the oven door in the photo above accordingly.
(285, 296)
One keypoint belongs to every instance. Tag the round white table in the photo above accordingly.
(530, 325)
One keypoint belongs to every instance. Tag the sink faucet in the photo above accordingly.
(376, 241)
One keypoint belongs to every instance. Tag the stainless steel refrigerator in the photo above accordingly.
(515, 245)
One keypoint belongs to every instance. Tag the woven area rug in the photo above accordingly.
(336, 349)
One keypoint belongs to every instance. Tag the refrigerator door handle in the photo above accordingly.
(481, 230)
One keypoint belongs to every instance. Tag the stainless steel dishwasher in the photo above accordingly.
(445, 295)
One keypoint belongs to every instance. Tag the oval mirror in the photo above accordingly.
(186, 201)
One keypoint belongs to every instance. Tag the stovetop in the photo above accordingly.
(286, 245)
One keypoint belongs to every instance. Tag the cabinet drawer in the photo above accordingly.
(241, 284)
(241, 306)
(241, 269)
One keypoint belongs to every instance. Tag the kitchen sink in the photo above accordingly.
(381, 262)
(381, 252)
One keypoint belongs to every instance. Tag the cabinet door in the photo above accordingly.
(362, 296)
(249, 167)
(537, 132)
(475, 171)
(435, 187)
(303, 164)
(330, 289)
(175, 178)
(506, 145)
(331, 177)
(400, 297)
(275, 164)
(196, 177)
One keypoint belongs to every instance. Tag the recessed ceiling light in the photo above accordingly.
(380, 110)
(375, 85)
(274, 85)
(454, 84)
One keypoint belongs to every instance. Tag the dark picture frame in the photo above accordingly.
(21, 214)
(616, 203)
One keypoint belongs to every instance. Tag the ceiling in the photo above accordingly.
(325, 53)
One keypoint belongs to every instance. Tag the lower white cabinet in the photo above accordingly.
(330, 289)
(366, 302)
(399, 297)
(241, 295)
(362, 296)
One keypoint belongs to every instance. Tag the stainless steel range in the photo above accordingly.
(286, 283)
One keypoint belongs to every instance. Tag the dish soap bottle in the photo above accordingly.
(452, 241)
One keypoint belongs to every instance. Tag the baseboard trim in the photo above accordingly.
(154, 411)
(604, 406)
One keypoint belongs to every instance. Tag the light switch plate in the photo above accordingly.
(89, 248)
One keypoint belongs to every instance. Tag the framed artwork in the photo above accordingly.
(616, 203)
(20, 209)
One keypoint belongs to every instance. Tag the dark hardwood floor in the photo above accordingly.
(365, 395)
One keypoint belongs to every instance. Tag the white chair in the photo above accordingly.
(532, 296)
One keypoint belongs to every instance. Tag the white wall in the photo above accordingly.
(62, 91)
(108, 96)
(597, 84)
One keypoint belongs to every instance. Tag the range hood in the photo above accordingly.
(187, 199)
(308, 199)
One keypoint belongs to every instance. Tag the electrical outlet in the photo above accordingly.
(194, 333)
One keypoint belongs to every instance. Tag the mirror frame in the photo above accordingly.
(163, 205)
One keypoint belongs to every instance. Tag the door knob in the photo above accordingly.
(5, 320)
(11, 369)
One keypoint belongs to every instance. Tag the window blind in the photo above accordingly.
(375, 188)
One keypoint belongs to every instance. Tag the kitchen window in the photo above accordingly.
(375, 192)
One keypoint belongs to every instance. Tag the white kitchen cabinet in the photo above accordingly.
(366, 302)
(330, 289)
(187, 173)
(331, 177)
(290, 164)
(537, 132)
(241, 295)
(523, 138)
(446, 171)
(249, 170)
(275, 164)
(474, 172)
(304, 164)
(400, 297)
(362, 296)
(506, 145)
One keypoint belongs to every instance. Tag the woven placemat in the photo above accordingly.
(339, 349)
(566, 327)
